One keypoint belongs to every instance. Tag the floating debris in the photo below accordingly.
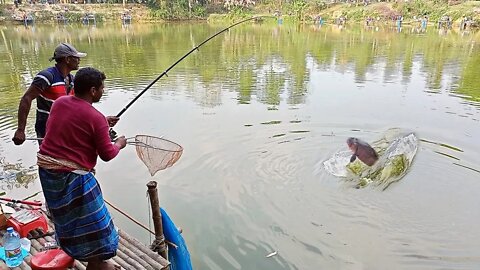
(15, 175)
(8, 176)
(443, 145)
(271, 254)
(466, 167)
(273, 122)
(447, 155)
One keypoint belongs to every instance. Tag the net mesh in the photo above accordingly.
(157, 153)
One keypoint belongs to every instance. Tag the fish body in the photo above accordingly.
(362, 150)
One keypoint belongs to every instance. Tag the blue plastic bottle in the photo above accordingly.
(13, 252)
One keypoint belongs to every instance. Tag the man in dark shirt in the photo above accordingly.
(48, 85)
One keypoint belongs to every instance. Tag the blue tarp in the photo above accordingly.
(178, 257)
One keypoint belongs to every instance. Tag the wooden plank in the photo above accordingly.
(142, 263)
(142, 258)
(118, 260)
(144, 249)
(132, 264)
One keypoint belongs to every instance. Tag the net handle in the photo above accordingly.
(133, 139)
(161, 138)
(136, 142)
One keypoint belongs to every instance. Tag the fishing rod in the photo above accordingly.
(21, 201)
(179, 60)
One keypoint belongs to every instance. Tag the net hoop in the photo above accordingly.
(157, 153)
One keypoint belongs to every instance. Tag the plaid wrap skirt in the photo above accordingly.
(83, 226)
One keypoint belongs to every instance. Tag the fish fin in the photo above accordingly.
(352, 159)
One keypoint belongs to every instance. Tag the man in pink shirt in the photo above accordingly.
(74, 140)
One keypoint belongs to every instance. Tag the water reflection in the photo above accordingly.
(16, 175)
(270, 58)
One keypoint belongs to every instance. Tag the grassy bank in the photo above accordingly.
(306, 12)
(75, 12)
(384, 11)
(296, 11)
(410, 11)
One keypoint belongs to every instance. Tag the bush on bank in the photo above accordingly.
(291, 10)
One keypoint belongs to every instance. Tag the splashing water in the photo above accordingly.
(396, 151)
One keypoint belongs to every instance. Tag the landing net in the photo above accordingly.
(156, 153)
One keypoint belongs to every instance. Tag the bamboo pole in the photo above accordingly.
(132, 263)
(25, 265)
(139, 246)
(119, 259)
(158, 244)
(126, 249)
(129, 248)
(35, 246)
(80, 266)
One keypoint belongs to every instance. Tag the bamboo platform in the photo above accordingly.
(131, 254)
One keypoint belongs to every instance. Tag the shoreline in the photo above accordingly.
(382, 13)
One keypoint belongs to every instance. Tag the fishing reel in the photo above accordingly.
(113, 134)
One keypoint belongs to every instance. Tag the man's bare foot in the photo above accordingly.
(102, 265)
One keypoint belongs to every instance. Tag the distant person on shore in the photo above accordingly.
(48, 85)
(74, 140)
(399, 22)
(424, 23)
(464, 23)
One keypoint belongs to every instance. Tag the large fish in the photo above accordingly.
(362, 150)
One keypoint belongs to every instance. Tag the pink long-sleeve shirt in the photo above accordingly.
(77, 132)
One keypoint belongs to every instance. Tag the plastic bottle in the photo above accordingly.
(13, 252)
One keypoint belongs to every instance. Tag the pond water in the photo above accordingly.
(258, 109)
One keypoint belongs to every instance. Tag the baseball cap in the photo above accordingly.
(65, 50)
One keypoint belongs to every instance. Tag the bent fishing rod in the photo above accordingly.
(183, 57)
